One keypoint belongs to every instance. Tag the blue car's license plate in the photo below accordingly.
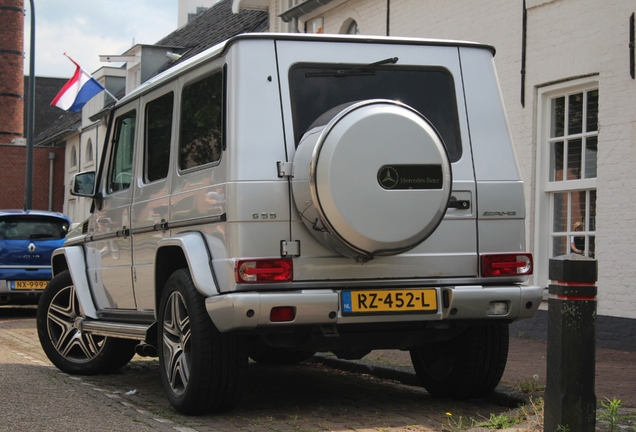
(29, 285)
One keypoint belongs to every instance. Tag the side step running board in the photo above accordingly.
(138, 332)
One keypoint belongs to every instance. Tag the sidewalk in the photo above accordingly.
(615, 370)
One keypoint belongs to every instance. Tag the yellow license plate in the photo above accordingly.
(395, 300)
(29, 285)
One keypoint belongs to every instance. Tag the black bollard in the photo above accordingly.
(570, 401)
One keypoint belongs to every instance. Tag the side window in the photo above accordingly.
(158, 135)
(89, 151)
(201, 129)
(120, 171)
(572, 147)
(567, 158)
(73, 157)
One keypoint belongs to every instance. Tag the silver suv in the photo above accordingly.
(281, 195)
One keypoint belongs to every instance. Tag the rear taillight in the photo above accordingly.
(264, 270)
(513, 264)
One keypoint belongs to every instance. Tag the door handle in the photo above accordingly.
(124, 232)
(458, 204)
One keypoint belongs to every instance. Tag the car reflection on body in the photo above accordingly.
(27, 240)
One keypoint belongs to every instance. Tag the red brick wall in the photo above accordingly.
(13, 158)
(11, 70)
(13, 184)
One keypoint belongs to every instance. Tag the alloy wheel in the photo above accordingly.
(176, 343)
(64, 321)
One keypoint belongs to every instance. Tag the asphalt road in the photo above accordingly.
(34, 395)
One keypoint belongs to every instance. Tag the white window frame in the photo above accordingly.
(71, 206)
(89, 152)
(73, 158)
(346, 27)
(543, 187)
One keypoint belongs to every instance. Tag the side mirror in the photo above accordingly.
(83, 184)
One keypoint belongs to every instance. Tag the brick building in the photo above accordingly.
(47, 162)
(11, 64)
(566, 70)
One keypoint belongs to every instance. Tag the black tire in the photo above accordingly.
(202, 370)
(70, 350)
(267, 355)
(467, 367)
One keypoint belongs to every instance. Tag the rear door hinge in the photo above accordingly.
(285, 169)
(289, 248)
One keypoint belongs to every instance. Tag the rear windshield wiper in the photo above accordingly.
(359, 71)
(41, 236)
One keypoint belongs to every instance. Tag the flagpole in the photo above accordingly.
(110, 94)
(91, 75)
(105, 89)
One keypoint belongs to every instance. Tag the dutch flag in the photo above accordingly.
(81, 88)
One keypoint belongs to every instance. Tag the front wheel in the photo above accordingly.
(70, 349)
(466, 367)
(202, 370)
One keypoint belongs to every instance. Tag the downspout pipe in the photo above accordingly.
(308, 6)
(51, 166)
(388, 17)
(524, 41)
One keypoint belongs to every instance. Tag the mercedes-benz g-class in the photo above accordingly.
(280, 195)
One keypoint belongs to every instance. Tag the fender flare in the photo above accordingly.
(75, 261)
(198, 257)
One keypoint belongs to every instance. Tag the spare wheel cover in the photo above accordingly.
(379, 179)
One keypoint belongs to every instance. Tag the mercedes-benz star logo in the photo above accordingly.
(388, 177)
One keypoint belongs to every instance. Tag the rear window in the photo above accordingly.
(316, 89)
(32, 228)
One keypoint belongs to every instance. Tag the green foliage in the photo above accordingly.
(458, 423)
(500, 421)
(531, 385)
(610, 414)
(496, 421)
(533, 413)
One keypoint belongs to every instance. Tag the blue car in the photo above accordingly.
(27, 240)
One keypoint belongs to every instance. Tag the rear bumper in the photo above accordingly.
(23, 296)
(247, 311)
(18, 297)
(5, 284)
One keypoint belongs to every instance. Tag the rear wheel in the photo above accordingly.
(202, 370)
(466, 367)
(70, 349)
(264, 354)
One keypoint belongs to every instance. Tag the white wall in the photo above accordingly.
(566, 39)
(70, 202)
(571, 38)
